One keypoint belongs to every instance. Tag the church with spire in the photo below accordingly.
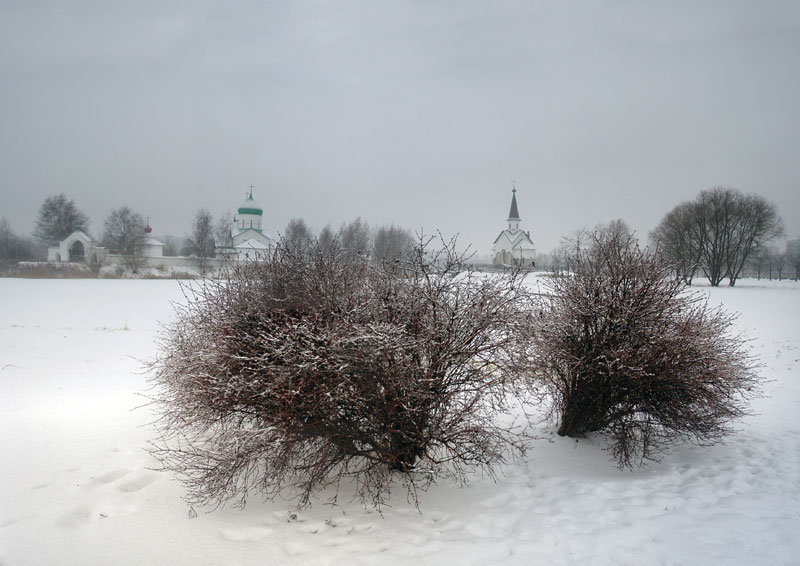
(513, 247)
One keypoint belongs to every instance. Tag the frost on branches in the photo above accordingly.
(622, 348)
(297, 372)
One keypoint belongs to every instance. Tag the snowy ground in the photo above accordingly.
(76, 489)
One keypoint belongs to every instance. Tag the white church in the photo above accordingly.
(513, 246)
(248, 240)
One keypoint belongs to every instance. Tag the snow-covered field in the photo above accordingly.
(75, 488)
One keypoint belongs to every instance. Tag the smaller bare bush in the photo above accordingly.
(298, 372)
(624, 350)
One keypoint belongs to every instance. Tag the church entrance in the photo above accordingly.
(77, 252)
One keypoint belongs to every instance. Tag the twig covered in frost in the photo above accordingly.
(300, 371)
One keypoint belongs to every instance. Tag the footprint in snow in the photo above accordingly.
(293, 548)
(78, 517)
(112, 476)
(246, 534)
(138, 483)
(500, 500)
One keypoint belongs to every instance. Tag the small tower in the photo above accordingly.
(150, 246)
(249, 214)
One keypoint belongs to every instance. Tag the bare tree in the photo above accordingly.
(354, 239)
(222, 230)
(172, 245)
(624, 350)
(754, 222)
(296, 373)
(9, 243)
(779, 261)
(123, 233)
(574, 243)
(558, 261)
(200, 242)
(793, 257)
(618, 229)
(326, 239)
(14, 248)
(58, 218)
(760, 261)
(298, 237)
(392, 243)
(772, 257)
(679, 238)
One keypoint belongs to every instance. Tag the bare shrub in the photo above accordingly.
(623, 349)
(296, 373)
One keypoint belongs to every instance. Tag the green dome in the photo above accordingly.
(250, 206)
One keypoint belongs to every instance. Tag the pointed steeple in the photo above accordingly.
(514, 213)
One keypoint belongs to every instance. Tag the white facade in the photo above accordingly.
(513, 246)
(248, 240)
(77, 247)
(152, 248)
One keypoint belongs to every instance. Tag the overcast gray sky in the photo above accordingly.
(418, 113)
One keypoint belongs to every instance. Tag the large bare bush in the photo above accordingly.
(624, 350)
(295, 373)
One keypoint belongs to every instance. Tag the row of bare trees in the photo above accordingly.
(579, 240)
(771, 263)
(355, 239)
(717, 234)
(15, 248)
